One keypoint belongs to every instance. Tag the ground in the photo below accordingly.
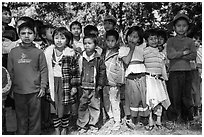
(195, 128)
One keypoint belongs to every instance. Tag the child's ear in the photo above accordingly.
(44, 36)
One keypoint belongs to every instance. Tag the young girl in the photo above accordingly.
(132, 56)
(63, 76)
(93, 78)
(156, 95)
(76, 29)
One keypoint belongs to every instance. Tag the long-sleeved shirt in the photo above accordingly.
(175, 48)
(28, 69)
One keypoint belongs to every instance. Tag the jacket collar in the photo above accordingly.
(93, 56)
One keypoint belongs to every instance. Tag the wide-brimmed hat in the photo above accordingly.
(110, 18)
(181, 15)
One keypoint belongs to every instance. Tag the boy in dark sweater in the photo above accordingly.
(28, 69)
(180, 51)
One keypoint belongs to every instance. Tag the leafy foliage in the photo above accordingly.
(144, 14)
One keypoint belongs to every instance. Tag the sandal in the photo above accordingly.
(149, 128)
(159, 126)
(130, 124)
(82, 130)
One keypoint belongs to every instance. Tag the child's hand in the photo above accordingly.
(73, 91)
(131, 45)
(41, 93)
(187, 51)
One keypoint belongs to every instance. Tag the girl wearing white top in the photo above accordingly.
(132, 56)
(57, 55)
(156, 94)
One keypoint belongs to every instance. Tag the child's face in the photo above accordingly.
(152, 41)
(111, 41)
(49, 33)
(6, 17)
(197, 42)
(60, 40)
(133, 38)
(26, 35)
(76, 30)
(181, 27)
(108, 25)
(160, 40)
(89, 45)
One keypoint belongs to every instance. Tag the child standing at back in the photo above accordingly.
(76, 29)
(180, 50)
(28, 69)
(135, 86)
(45, 33)
(93, 78)
(62, 61)
(114, 79)
(156, 93)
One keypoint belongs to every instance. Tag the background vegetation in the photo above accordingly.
(145, 14)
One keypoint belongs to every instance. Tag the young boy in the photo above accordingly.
(180, 50)
(90, 29)
(109, 24)
(196, 68)
(28, 69)
(93, 78)
(76, 29)
(113, 75)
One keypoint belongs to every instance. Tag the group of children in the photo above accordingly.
(84, 77)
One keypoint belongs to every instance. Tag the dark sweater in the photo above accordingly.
(175, 48)
(28, 69)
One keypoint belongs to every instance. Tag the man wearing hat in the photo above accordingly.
(180, 50)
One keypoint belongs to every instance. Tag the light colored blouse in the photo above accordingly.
(57, 69)
(137, 56)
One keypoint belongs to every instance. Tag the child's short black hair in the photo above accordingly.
(27, 19)
(26, 25)
(6, 9)
(150, 32)
(66, 33)
(43, 30)
(90, 28)
(93, 37)
(162, 33)
(138, 29)
(112, 33)
(75, 23)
